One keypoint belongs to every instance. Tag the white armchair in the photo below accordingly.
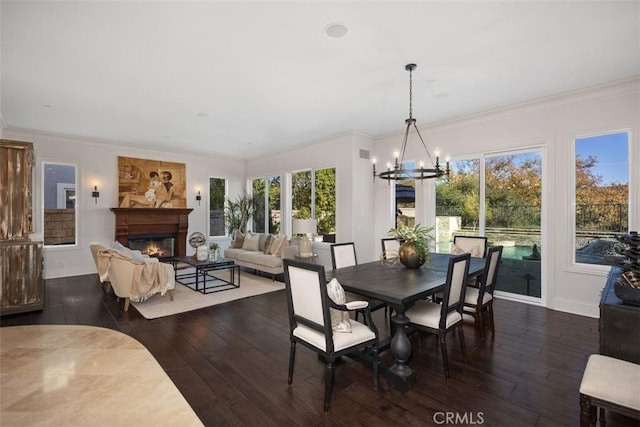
(135, 280)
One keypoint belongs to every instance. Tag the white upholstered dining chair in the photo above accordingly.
(390, 245)
(475, 245)
(343, 255)
(313, 324)
(440, 319)
(479, 300)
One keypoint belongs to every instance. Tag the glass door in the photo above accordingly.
(513, 201)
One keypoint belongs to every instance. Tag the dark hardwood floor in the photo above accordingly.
(230, 363)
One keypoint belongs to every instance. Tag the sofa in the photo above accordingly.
(261, 251)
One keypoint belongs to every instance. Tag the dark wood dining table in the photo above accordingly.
(400, 288)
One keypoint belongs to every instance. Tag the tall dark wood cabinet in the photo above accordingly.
(619, 324)
(21, 260)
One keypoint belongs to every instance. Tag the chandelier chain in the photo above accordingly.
(410, 93)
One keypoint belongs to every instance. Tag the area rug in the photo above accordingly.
(185, 299)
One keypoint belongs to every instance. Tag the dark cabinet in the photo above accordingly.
(619, 324)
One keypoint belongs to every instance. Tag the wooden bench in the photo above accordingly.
(609, 383)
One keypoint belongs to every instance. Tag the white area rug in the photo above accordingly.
(185, 299)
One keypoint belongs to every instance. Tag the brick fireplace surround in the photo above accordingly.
(136, 221)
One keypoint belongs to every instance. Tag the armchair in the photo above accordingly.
(135, 280)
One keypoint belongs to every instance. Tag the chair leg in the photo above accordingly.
(463, 346)
(588, 414)
(445, 358)
(491, 324)
(376, 368)
(292, 358)
(126, 304)
(328, 384)
(478, 318)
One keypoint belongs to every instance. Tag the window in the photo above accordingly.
(458, 203)
(508, 214)
(314, 196)
(59, 193)
(217, 197)
(406, 199)
(601, 196)
(266, 196)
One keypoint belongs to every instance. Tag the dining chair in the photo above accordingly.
(440, 319)
(344, 255)
(389, 245)
(310, 322)
(475, 245)
(479, 301)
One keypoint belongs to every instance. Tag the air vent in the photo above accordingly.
(364, 154)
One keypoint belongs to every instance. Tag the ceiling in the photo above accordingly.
(241, 79)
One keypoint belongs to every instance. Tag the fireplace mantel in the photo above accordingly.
(153, 220)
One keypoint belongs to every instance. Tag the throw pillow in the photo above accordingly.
(263, 240)
(251, 242)
(267, 243)
(277, 244)
(238, 240)
(339, 319)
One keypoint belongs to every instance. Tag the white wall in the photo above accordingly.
(97, 162)
(551, 124)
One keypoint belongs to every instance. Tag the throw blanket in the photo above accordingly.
(149, 276)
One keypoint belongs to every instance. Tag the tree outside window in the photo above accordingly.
(602, 196)
(267, 204)
(314, 196)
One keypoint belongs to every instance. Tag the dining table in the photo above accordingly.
(400, 288)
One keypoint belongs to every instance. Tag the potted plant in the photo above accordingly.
(237, 213)
(213, 251)
(414, 252)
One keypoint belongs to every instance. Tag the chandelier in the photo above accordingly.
(397, 170)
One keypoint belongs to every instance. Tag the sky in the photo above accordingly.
(612, 152)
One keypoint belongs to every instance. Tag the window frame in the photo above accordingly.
(573, 265)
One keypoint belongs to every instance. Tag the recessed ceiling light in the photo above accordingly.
(336, 30)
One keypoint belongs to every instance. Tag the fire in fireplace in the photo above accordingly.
(155, 245)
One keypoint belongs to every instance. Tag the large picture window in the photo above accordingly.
(266, 196)
(314, 196)
(601, 196)
(217, 196)
(508, 214)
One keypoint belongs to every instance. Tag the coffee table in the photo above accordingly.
(202, 280)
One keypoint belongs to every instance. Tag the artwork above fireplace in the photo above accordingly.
(153, 222)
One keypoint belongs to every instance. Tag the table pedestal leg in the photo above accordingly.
(400, 376)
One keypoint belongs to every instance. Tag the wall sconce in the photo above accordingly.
(95, 193)
(198, 197)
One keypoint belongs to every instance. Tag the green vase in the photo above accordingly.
(411, 255)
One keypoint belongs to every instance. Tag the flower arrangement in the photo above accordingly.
(416, 236)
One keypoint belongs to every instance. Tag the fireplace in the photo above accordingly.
(155, 245)
(159, 224)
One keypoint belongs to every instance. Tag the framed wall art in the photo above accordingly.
(144, 183)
